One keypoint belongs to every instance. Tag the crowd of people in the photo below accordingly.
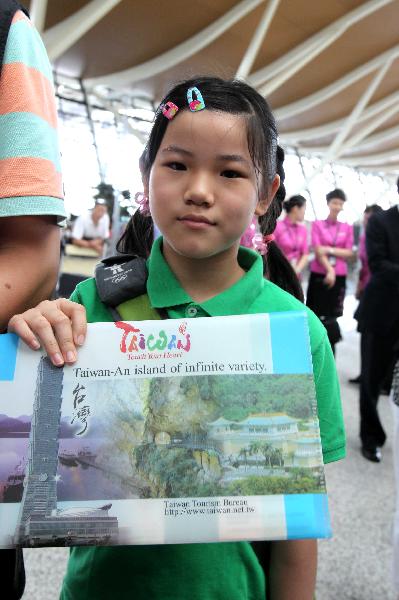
(212, 173)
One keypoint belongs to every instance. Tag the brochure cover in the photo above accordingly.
(170, 431)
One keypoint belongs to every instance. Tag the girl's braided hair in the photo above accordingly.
(238, 98)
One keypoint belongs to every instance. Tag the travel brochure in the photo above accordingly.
(172, 431)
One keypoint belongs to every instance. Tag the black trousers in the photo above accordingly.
(377, 356)
(327, 303)
(12, 574)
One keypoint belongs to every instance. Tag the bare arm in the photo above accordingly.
(303, 261)
(81, 243)
(96, 244)
(322, 258)
(333, 251)
(29, 261)
(293, 568)
(343, 252)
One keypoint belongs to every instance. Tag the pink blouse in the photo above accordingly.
(292, 239)
(336, 235)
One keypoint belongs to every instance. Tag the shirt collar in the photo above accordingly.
(331, 222)
(165, 291)
(288, 222)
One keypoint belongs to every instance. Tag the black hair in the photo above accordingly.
(138, 236)
(237, 98)
(337, 193)
(373, 208)
(397, 184)
(297, 200)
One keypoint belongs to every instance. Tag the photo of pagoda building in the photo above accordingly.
(40, 523)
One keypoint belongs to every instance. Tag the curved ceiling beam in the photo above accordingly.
(361, 134)
(257, 39)
(335, 148)
(303, 135)
(290, 110)
(371, 159)
(37, 12)
(393, 168)
(62, 36)
(180, 52)
(374, 140)
(331, 31)
(301, 61)
(378, 138)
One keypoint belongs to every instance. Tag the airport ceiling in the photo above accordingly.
(329, 68)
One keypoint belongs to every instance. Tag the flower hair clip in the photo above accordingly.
(143, 204)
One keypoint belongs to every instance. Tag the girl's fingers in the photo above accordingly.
(31, 325)
(77, 314)
(18, 325)
(55, 332)
(58, 325)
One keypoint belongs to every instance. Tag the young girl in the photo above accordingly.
(206, 173)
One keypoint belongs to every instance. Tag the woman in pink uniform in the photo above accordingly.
(332, 242)
(291, 235)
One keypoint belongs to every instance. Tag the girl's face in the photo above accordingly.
(203, 189)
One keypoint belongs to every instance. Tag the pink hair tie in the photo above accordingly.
(260, 244)
(256, 241)
(265, 243)
(143, 204)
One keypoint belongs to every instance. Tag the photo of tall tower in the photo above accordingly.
(40, 485)
(39, 520)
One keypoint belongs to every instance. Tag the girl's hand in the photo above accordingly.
(58, 325)
(329, 279)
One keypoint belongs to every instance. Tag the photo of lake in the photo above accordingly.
(88, 478)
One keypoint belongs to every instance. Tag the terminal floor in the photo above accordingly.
(356, 563)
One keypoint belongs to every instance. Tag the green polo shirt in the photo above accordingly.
(217, 571)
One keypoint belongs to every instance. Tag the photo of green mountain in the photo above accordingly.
(220, 435)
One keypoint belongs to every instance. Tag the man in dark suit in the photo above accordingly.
(378, 317)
